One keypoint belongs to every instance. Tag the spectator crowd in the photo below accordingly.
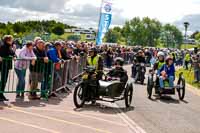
(37, 56)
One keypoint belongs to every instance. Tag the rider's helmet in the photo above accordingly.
(168, 59)
(161, 54)
(119, 61)
(93, 50)
(140, 51)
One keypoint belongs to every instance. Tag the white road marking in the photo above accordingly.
(131, 124)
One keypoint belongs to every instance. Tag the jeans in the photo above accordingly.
(45, 83)
(171, 81)
(109, 63)
(197, 75)
(21, 80)
(4, 77)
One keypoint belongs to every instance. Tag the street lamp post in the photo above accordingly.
(186, 25)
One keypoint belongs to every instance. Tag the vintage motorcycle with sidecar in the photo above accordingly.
(180, 87)
(90, 89)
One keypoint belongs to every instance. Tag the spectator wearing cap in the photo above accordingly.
(6, 55)
(37, 70)
(26, 55)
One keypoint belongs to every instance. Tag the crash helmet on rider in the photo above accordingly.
(119, 61)
(160, 53)
(93, 51)
(161, 60)
(169, 60)
(118, 71)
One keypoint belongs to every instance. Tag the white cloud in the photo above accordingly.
(164, 10)
(86, 12)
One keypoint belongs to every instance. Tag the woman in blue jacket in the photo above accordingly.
(167, 71)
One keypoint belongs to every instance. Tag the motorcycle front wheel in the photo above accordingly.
(79, 97)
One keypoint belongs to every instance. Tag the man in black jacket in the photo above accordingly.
(37, 71)
(6, 55)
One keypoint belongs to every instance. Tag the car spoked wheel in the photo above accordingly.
(181, 89)
(78, 96)
(128, 95)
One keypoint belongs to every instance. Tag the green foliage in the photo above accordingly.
(171, 36)
(29, 27)
(189, 76)
(145, 32)
(194, 34)
(112, 36)
(74, 37)
(18, 28)
(189, 46)
(197, 36)
(58, 29)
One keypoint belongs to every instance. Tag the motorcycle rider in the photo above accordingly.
(139, 58)
(167, 71)
(94, 59)
(160, 62)
(157, 66)
(118, 72)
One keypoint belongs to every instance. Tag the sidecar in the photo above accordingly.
(108, 91)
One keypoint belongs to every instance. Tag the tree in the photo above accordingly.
(197, 36)
(18, 27)
(194, 34)
(143, 32)
(58, 29)
(112, 36)
(172, 35)
(152, 29)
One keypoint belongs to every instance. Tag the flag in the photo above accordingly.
(105, 20)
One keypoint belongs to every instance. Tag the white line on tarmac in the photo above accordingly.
(28, 125)
(59, 120)
(131, 124)
(78, 114)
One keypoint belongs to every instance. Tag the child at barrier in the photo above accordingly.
(25, 56)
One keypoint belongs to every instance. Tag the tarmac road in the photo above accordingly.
(58, 115)
(166, 115)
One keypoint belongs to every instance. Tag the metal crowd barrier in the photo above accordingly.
(64, 72)
(37, 78)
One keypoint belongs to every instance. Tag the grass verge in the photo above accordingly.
(189, 77)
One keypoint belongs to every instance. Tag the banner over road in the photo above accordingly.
(105, 20)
